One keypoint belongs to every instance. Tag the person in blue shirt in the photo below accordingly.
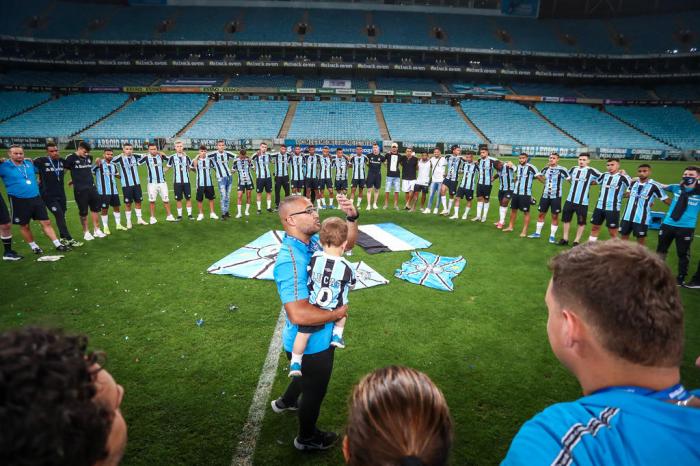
(330, 279)
(681, 219)
(301, 223)
(525, 174)
(615, 320)
(20, 178)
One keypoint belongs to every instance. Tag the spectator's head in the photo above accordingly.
(57, 405)
(690, 176)
(299, 217)
(397, 417)
(553, 159)
(334, 233)
(83, 149)
(644, 171)
(583, 160)
(614, 308)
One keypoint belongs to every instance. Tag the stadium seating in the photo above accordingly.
(532, 34)
(427, 123)
(62, 117)
(641, 36)
(324, 27)
(506, 122)
(596, 128)
(545, 89)
(196, 23)
(41, 78)
(590, 35)
(334, 120)
(356, 83)
(403, 29)
(66, 22)
(624, 92)
(131, 23)
(413, 84)
(118, 80)
(152, 116)
(263, 80)
(265, 25)
(673, 125)
(17, 13)
(684, 91)
(14, 102)
(240, 119)
(469, 31)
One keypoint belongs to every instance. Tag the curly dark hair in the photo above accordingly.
(47, 412)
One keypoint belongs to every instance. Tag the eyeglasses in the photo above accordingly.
(309, 210)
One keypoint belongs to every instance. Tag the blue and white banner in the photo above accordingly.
(431, 270)
(388, 237)
(257, 260)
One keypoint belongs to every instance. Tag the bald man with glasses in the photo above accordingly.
(301, 223)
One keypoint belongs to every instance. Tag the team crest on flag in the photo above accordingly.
(257, 260)
(431, 270)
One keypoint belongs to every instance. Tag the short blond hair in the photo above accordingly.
(334, 232)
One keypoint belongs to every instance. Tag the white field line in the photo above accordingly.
(251, 429)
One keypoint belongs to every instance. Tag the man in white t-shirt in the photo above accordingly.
(437, 176)
(422, 182)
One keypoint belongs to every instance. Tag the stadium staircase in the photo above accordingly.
(534, 110)
(287, 123)
(194, 119)
(113, 112)
(460, 112)
(28, 109)
(639, 129)
(381, 122)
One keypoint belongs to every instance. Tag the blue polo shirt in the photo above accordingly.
(291, 276)
(614, 426)
(16, 177)
(690, 216)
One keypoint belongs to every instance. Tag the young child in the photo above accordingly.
(330, 279)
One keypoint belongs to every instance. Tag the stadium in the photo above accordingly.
(199, 352)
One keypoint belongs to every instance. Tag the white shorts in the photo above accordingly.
(158, 189)
(392, 184)
(408, 185)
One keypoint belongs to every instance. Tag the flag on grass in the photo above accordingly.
(387, 237)
(257, 260)
(431, 270)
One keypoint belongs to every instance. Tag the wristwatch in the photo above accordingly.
(352, 218)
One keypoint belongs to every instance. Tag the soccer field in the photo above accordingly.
(137, 295)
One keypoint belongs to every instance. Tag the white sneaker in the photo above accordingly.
(444, 212)
(122, 227)
(99, 234)
(153, 221)
(247, 213)
(88, 237)
(426, 210)
(483, 220)
(106, 231)
(476, 219)
(375, 207)
(464, 217)
(238, 215)
(435, 210)
(129, 226)
(213, 216)
(454, 217)
(368, 207)
(142, 222)
(200, 217)
(170, 218)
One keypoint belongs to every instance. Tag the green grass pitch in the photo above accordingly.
(137, 295)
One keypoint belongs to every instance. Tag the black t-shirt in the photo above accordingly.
(375, 162)
(51, 174)
(410, 167)
(80, 171)
(392, 165)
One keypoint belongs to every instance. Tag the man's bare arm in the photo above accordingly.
(301, 312)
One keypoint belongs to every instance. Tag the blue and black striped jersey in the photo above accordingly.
(469, 178)
(281, 163)
(105, 178)
(341, 168)
(324, 167)
(181, 164)
(612, 188)
(524, 175)
(311, 163)
(203, 169)
(330, 280)
(553, 181)
(486, 170)
(642, 196)
(261, 165)
(128, 169)
(359, 164)
(506, 176)
(297, 167)
(221, 160)
(454, 167)
(155, 168)
(581, 180)
(242, 166)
